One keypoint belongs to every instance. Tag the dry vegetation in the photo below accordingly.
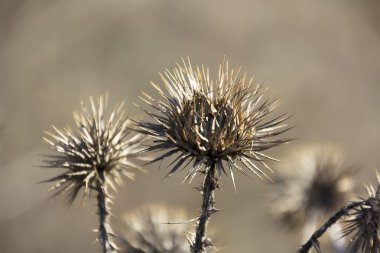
(321, 59)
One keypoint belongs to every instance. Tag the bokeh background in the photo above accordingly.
(321, 58)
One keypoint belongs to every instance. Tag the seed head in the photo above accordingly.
(148, 230)
(313, 184)
(98, 152)
(203, 121)
(365, 224)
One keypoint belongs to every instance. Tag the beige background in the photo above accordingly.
(321, 58)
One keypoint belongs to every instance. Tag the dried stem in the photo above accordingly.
(208, 189)
(313, 241)
(105, 233)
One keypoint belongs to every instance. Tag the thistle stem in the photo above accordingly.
(313, 240)
(208, 189)
(105, 232)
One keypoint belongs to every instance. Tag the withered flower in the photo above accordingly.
(364, 224)
(311, 186)
(214, 125)
(221, 124)
(99, 151)
(94, 157)
(151, 230)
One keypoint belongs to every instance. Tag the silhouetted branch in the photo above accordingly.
(313, 241)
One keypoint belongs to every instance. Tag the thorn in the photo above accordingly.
(208, 243)
(213, 210)
(199, 188)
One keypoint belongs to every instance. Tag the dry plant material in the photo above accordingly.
(150, 230)
(313, 183)
(213, 127)
(94, 158)
(362, 222)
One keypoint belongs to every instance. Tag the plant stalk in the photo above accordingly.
(313, 240)
(105, 233)
(208, 189)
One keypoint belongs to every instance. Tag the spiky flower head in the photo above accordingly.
(313, 184)
(222, 122)
(99, 151)
(155, 228)
(364, 224)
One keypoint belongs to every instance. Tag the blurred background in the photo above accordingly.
(320, 58)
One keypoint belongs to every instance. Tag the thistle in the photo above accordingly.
(361, 219)
(314, 183)
(94, 158)
(216, 126)
(364, 224)
(149, 230)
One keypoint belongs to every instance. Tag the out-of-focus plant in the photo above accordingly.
(361, 221)
(151, 230)
(313, 183)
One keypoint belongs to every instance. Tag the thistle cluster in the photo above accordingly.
(212, 127)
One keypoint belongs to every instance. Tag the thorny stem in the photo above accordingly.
(105, 232)
(313, 241)
(208, 189)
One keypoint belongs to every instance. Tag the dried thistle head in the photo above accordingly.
(364, 224)
(313, 184)
(97, 153)
(223, 122)
(148, 230)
